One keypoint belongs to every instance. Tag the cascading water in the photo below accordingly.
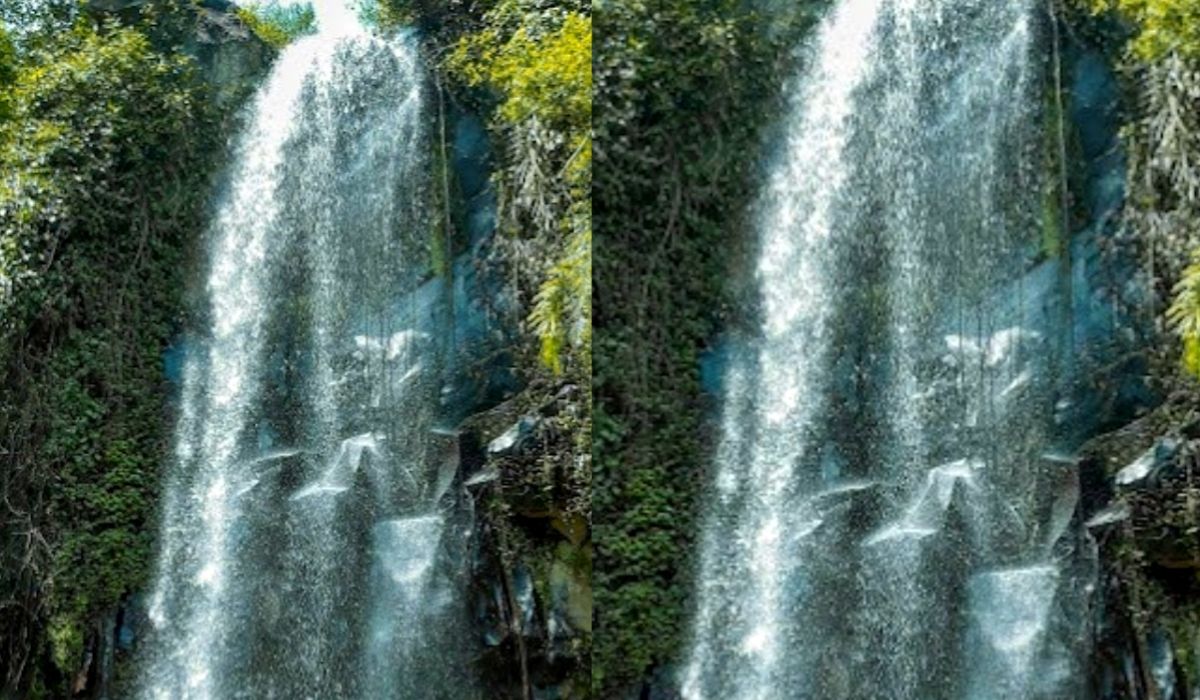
(309, 539)
(886, 519)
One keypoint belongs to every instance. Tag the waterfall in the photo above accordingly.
(888, 518)
(308, 544)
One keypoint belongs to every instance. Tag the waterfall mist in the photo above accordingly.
(311, 546)
(887, 518)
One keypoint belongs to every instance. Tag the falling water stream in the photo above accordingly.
(308, 537)
(888, 518)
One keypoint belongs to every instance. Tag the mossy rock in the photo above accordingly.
(571, 584)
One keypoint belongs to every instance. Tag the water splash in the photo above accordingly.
(305, 521)
(867, 479)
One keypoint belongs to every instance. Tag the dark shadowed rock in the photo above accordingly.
(231, 58)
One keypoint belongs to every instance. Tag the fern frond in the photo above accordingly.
(562, 309)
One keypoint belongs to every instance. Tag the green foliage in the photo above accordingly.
(539, 65)
(103, 175)
(548, 76)
(682, 92)
(444, 21)
(1184, 315)
(278, 25)
(561, 313)
(1164, 208)
(1163, 26)
(8, 74)
(37, 19)
(8, 58)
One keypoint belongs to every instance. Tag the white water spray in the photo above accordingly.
(304, 532)
(876, 529)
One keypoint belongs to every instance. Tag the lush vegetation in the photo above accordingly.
(682, 91)
(31, 21)
(8, 73)
(107, 140)
(105, 153)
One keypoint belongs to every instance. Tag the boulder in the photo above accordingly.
(514, 439)
(1155, 463)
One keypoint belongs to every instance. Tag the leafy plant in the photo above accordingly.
(1163, 26)
(1184, 315)
(8, 73)
(562, 313)
(546, 75)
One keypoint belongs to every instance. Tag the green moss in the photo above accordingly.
(66, 642)
(1184, 316)
(1182, 628)
(441, 226)
(1053, 238)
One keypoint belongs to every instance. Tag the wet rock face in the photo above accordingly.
(533, 616)
(532, 570)
(1137, 499)
(1163, 503)
(1143, 514)
(231, 58)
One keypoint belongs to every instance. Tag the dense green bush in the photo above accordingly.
(32, 21)
(8, 73)
(444, 22)
(103, 174)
